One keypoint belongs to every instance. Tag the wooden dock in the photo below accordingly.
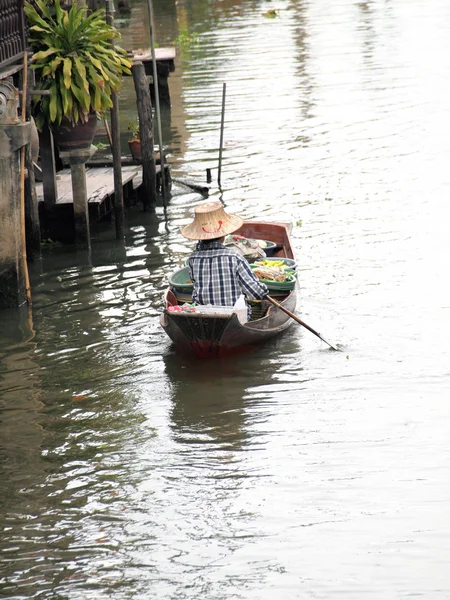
(165, 64)
(100, 187)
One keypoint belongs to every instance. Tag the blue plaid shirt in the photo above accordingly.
(220, 275)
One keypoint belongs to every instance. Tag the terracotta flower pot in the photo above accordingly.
(135, 149)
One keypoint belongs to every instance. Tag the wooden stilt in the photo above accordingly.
(157, 107)
(32, 224)
(22, 183)
(144, 107)
(116, 152)
(47, 153)
(80, 205)
(222, 121)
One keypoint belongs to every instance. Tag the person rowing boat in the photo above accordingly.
(219, 274)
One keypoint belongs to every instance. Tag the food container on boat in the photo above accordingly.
(287, 285)
(210, 309)
(268, 246)
(287, 263)
(180, 281)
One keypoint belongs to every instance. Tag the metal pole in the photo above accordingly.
(115, 148)
(221, 132)
(158, 112)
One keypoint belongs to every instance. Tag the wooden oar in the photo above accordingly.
(288, 312)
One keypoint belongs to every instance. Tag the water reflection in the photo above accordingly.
(213, 407)
(214, 418)
(21, 393)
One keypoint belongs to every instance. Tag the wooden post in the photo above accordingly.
(77, 160)
(157, 107)
(22, 182)
(47, 153)
(80, 205)
(222, 121)
(116, 150)
(144, 107)
(32, 225)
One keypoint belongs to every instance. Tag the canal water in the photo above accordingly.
(294, 472)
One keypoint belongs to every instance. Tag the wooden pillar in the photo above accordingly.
(116, 149)
(147, 191)
(77, 160)
(32, 226)
(80, 205)
(47, 153)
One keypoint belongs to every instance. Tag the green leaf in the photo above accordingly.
(94, 76)
(58, 11)
(67, 70)
(38, 28)
(44, 9)
(82, 97)
(55, 63)
(97, 102)
(84, 86)
(43, 54)
(67, 104)
(81, 71)
(53, 107)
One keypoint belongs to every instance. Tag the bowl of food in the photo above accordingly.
(275, 278)
(275, 261)
(268, 246)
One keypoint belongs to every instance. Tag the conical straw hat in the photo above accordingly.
(211, 221)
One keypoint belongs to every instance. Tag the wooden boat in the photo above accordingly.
(215, 336)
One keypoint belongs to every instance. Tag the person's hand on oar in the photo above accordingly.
(288, 312)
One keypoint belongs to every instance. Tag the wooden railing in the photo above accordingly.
(12, 31)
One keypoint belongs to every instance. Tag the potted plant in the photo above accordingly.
(134, 143)
(76, 63)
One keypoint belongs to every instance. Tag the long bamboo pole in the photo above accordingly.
(222, 122)
(22, 184)
(157, 107)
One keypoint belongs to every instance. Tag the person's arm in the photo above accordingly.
(251, 286)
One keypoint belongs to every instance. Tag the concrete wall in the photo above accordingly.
(12, 289)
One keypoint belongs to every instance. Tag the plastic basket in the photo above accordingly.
(181, 282)
(267, 246)
(289, 284)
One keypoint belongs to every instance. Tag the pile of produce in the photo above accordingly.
(280, 263)
(272, 273)
(249, 249)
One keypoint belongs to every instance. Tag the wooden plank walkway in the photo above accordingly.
(165, 64)
(99, 184)
(161, 55)
(100, 188)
